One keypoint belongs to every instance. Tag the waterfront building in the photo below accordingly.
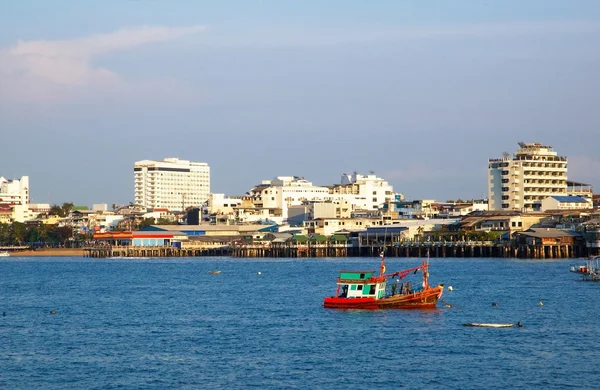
(14, 198)
(521, 182)
(221, 204)
(172, 183)
(364, 192)
(566, 203)
(275, 196)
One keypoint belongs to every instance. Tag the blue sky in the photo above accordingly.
(422, 93)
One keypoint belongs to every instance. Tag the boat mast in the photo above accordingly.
(382, 267)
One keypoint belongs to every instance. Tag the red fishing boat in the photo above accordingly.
(365, 290)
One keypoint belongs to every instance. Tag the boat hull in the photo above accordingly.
(426, 299)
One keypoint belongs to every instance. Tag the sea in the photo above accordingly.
(167, 323)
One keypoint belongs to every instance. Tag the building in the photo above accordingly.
(566, 203)
(523, 181)
(221, 204)
(364, 192)
(14, 199)
(172, 183)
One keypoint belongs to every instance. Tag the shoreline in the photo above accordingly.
(53, 252)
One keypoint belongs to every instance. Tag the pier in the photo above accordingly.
(457, 250)
(318, 250)
(153, 251)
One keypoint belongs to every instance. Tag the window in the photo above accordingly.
(504, 206)
(360, 287)
(504, 189)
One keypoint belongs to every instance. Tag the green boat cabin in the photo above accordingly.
(358, 284)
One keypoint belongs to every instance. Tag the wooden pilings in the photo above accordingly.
(153, 251)
(295, 250)
(412, 250)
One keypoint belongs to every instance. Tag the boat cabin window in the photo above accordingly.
(372, 289)
(359, 287)
(362, 276)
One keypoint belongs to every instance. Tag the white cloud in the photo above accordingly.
(46, 70)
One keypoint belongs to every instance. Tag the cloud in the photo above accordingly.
(42, 70)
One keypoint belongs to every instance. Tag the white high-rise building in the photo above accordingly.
(172, 183)
(14, 198)
(523, 181)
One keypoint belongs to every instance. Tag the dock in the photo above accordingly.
(329, 249)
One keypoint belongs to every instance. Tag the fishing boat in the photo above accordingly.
(366, 290)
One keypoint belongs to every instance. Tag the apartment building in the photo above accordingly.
(521, 182)
(172, 183)
(364, 192)
(14, 199)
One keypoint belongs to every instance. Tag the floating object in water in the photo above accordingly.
(494, 303)
(52, 312)
(540, 303)
(450, 288)
(482, 325)
(214, 272)
(520, 324)
(448, 306)
(258, 273)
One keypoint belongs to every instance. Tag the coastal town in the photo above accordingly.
(532, 211)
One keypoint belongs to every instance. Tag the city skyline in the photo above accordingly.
(421, 94)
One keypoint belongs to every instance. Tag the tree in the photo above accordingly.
(56, 210)
(66, 208)
(19, 232)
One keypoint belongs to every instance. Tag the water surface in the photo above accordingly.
(167, 323)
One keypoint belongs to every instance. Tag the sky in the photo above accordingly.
(422, 93)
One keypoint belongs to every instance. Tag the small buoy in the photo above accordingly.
(258, 273)
(448, 306)
(494, 303)
(540, 303)
(519, 324)
(52, 312)
(450, 288)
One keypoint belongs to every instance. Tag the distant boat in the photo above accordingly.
(4, 254)
(214, 272)
(590, 271)
(364, 290)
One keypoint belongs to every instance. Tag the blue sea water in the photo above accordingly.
(168, 323)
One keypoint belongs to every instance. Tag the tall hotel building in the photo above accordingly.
(523, 181)
(173, 184)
